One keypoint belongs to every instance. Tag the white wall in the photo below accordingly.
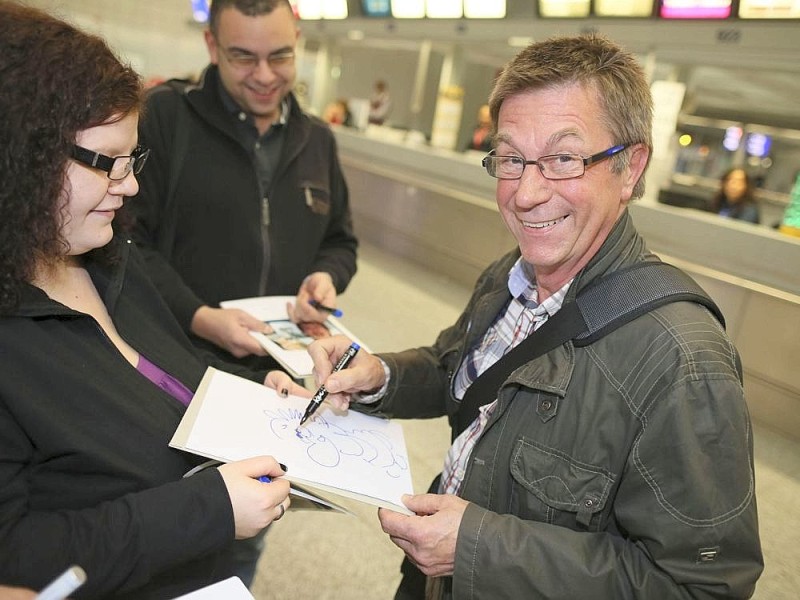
(158, 39)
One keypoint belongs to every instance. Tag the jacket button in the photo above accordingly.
(588, 503)
(547, 405)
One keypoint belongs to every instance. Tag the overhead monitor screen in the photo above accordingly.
(377, 8)
(623, 8)
(758, 144)
(484, 9)
(321, 9)
(769, 9)
(200, 11)
(408, 9)
(695, 9)
(564, 8)
(444, 9)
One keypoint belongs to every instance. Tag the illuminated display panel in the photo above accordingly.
(758, 144)
(484, 9)
(444, 9)
(408, 9)
(377, 8)
(321, 9)
(769, 9)
(695, 9)
(623, 8)
(564, 8)
(200, 11)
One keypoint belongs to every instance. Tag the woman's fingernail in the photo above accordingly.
(283, 467)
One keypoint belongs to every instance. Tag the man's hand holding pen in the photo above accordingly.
(364, 374)
(319, 288)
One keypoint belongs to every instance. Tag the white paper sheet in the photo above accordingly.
(351, 454)
(227, 589)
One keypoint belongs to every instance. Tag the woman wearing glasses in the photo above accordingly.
(95, 374)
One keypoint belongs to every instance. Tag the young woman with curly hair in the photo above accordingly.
(95, 374)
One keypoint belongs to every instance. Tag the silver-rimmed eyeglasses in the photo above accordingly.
(116, 167)
(247, 61)
(551, 166)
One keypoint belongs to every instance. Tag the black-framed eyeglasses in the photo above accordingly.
(551, 166)
(247, 61)
(116, 167)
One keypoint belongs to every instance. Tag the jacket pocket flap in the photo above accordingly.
(560, 481)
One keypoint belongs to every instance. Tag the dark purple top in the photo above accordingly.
(165, 381)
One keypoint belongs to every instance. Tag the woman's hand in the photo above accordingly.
(285, 385)
(255, 504)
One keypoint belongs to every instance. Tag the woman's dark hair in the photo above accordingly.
(720, 200)
(55, 81)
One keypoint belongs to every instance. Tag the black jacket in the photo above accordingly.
(204, 244)
(86, 473)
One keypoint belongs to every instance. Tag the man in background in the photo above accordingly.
(246, 196)
(380, 103)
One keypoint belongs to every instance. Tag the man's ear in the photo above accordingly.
(213, 49)
(637, 162)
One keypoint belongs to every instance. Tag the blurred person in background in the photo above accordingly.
(482, 134)
(380, 103)
(735, 198)
(338, 113)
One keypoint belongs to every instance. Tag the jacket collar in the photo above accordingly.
(206, 99)
(34, 302)
(622, 247)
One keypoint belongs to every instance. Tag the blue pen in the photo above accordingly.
(334, 311)
(317, 398)
(267, 478)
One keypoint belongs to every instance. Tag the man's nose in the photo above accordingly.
(533, 188)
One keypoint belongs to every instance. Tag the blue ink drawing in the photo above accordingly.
(328, 444)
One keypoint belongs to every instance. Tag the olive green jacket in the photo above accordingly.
(623, 469)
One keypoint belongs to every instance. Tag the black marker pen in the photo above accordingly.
(317, 398)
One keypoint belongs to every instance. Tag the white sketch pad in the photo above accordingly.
(348, 453)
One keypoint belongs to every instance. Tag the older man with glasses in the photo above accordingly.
(244, 195)
(618, 467)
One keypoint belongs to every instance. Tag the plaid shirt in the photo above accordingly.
(523, 316)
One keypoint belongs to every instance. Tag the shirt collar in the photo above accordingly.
(234, 109)
(520, 278)
(522, 285)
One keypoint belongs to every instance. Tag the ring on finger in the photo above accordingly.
(283, 511)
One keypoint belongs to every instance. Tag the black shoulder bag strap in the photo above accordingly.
(599, 309)
(180, 144)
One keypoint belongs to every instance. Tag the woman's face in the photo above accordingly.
(735, 185)
(92, 199)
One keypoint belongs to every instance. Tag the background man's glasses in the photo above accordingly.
(552, 166)
(247, 61)
(116, 167)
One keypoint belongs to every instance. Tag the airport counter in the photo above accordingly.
(436, 207)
